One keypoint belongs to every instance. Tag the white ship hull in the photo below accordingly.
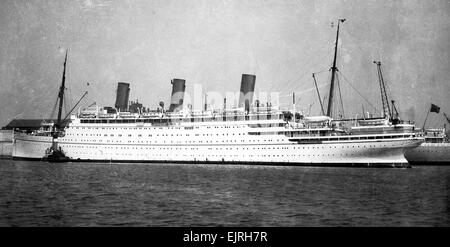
(29, 146)
(248, 149)
(426, 153)
(6, 143)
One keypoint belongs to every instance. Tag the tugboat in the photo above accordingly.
(55, 155)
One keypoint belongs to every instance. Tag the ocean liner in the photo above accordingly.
(250, 133)
(436, 148)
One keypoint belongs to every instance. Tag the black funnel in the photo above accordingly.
(176, 101)
(247, 89)
(122, 95)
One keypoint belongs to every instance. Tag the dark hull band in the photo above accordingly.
(430, 163)
(375, 165)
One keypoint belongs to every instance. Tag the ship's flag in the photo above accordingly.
(435, 108)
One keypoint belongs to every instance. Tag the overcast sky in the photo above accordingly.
(213, 42)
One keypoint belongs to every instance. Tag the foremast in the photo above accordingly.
(57, 126)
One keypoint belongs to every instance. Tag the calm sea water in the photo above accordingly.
(91, 194)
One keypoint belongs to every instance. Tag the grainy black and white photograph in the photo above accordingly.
(224, 113)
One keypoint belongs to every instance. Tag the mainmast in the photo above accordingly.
(333, 72)
(387, 113)
(61, 100)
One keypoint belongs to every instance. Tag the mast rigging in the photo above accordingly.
(318, 94)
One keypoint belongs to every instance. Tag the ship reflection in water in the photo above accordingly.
(92, 194)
